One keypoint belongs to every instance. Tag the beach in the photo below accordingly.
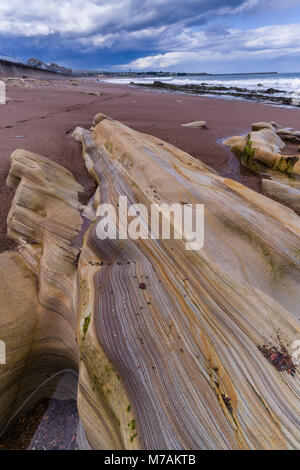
(60, 259)
(42, 118)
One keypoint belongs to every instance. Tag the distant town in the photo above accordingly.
(55, 68)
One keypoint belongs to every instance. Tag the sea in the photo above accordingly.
(287, 83)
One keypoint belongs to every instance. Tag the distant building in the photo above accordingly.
(60, 69)
(35, 62)
(52, 67)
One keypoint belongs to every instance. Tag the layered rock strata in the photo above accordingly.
(176, 349)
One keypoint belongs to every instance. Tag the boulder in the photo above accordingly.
(264, 146)
(261, 151)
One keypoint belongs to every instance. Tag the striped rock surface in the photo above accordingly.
(177, 363)
(37, 319)
(170, 342)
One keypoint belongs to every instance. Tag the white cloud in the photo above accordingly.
(80, 18)
(202, 48)
(175, 31)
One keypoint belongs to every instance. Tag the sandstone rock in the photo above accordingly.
(240, 221)
(257, 126)
(287, 191)
(100, 117)
(261, 151)
(38, 321)
(77, 134)
(276, 125)
(264, 146)
(18, 322)
(177, 363)
(196, 124)
(283, 132)
(93, 93)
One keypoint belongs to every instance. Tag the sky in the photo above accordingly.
(215, 36)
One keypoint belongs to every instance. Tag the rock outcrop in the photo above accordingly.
(38, 321)
(261, 151)
(177, 349)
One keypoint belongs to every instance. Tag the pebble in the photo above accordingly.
(196, 124)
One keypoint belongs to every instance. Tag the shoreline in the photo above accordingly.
(41, 119)
(270, 96)
(239, 221)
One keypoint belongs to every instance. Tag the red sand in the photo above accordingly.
(45, 116)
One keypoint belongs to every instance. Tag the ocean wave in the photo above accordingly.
(287, 84)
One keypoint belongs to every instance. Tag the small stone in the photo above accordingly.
(276, 125)
(258, 126)
(196, 124)
(283, 132)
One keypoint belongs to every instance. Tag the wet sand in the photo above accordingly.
(42, 118)
(49, 425)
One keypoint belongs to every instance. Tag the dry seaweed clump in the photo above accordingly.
(280, 359)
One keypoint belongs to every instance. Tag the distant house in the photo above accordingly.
(52, 67)
(36, 63)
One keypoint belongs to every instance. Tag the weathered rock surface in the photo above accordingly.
(170, 340)
(283, 188)
(258, 126)
(261, 151)
(283, 132)
(37, 320)
(185, 348)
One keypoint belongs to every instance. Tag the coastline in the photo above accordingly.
(41, 119)
(268, 96)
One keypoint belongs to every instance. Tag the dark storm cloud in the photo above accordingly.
(141, 34)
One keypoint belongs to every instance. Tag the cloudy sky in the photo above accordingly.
(171, 35)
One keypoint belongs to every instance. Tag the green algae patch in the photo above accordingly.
(86, 325)
(133, 437)
(249, 151)
(286, 164)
